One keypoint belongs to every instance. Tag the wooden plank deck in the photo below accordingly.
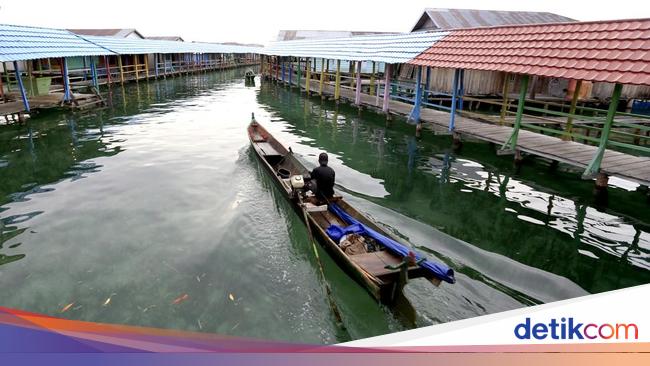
(631, 167)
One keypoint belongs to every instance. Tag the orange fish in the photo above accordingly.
(67, 307)
(180, 299)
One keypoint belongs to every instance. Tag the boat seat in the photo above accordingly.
(267, 149)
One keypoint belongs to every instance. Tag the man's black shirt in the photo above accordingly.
(324, 177)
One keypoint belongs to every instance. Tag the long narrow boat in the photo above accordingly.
(382, 272)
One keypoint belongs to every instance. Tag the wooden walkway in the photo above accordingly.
(631, 167)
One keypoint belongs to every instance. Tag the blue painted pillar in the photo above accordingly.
(415, 113)
(66, 80)
(156, 58)
(23, 94)
(93, 71)
(283, 70)
(426, 83)
(454, 100)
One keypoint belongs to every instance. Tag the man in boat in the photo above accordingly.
(323, 176)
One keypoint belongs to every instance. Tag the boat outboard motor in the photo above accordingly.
(297, 185)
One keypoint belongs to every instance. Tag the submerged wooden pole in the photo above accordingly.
(337, 81)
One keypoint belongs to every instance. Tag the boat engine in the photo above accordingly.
(297, 185)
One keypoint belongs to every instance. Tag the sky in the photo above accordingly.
(249, 21)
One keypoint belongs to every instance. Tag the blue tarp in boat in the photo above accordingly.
(336, 232)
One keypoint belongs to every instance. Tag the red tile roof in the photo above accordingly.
(611, 51)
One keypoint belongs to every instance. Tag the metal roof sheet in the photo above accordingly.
(609, 51)
(119, 32)
(389, 48)
(445, 19)
(134, 46)
(30, 43)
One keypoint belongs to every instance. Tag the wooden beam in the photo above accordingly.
(372, 80)
(572, 110)
(322, 77)
(308, 77)
(594, 166)
(136, 61)
(357, 94)
(108, 69)
(119, 64)
(337, 85)
(146, 66)
(387, 71)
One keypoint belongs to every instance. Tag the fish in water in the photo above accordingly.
(67, 307)
(180, 299)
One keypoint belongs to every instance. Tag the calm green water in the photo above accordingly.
(154, 212)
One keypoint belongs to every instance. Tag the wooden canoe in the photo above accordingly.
(368, 269)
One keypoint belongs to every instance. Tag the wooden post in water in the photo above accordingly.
(387, 71)
(372, 80)
(357, 91)
(93, 72)
(594, 166)
(505, 92)
(2, 90)
(108, 70)
(119, 64)
(426, 84)
(322, 77)
(569, 121)
(136, 62)
(337, 81)
(146, 66)
(511, 144)
(66, 80)
(299, 72)
(308, 77)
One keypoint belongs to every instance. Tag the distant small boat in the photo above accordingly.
(383, 271)
(250, 75)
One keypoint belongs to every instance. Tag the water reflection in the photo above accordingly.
(478, 197)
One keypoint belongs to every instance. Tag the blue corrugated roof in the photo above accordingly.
(29, 43)
(389, 48)
(134, 46)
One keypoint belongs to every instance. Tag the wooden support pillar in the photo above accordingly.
(322, 77)
(290, 72)
(417, 101)
(511, 144)
(308, 77)
(23, 94)
(156, 59)
(387, 71)
(372, 79)
(461, 88)
(505, 92)
(108, 69)
(454, 100)
(93, 71)
(357, 89)
(136, 62)
(337, 81)
(427, 81)
(574, 101)
(594, 166)
(66, 80)
(299, 72)
(284, 68)
(146, 66)
(119, 64)
(2, 89)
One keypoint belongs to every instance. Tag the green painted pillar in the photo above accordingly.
(594, 167)
(511, 144)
